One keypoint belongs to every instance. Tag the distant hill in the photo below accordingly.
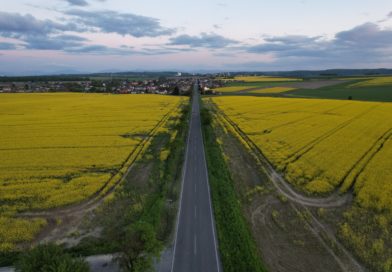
(147, 75)
(323, 73)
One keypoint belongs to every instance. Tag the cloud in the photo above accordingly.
(99, 49)
(81, 3)
(120, 23)
(123, 50)
(205, 40)
(16, 25)
(36, 34)
(368, 36)
(366, 42)
(7, 46)
(59, 42)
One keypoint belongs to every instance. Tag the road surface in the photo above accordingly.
(195, 246)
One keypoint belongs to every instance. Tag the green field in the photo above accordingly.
(347, 90)
(358, 88)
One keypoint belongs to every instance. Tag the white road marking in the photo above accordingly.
(194, 245)
(209, 196)
(182, 190)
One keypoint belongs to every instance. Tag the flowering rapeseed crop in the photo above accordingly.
(60, 149)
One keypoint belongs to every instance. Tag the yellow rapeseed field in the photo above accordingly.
(376, 81)
(231, 89)
(321, 145)
(272, 90)
(60, 149)
(265, 79)
(325, 145)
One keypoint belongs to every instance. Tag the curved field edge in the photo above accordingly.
(334, 200)
(27, 226)
(138, 208)
(302, 206)
(355, 223)
(110, 185)
(308, 180)
(238, 250)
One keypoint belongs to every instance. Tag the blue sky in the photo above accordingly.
(71, 36)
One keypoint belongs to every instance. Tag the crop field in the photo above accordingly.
(368, 89)
(377, 81)
(231, 89)
(323, 146)
(272, 90)
(265, 79)
(61, 149)
(298, 136)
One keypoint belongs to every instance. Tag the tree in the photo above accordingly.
(49, 258)
(139, 247)
(176, 91)
(162, 79)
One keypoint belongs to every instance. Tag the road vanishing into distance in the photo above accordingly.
(195, 245)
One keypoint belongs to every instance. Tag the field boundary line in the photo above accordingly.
(318, 229)
(209, 200)
(102, 193)
(363, 161)
(296, 155)
(334, 200)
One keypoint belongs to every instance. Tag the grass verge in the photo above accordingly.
(138, 218)
(237, 247)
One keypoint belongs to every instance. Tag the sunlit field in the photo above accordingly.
(324, 146)
(61, 149)
(377, 81)
(272, 90)
(232, 89)
(265, 79)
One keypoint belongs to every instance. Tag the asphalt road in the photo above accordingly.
(195, 246)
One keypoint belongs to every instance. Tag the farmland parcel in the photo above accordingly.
(62, 149)
(327, 147)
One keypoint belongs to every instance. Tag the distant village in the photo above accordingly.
(163, 86)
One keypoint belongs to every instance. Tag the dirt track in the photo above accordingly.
(318, 249)
(313, 84)
(283, 187)
(72, 217)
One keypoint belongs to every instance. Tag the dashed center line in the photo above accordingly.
(194, 245)
(195, 211)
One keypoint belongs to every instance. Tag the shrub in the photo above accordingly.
(50, 258)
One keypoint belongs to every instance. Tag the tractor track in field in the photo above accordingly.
(305, 149)
(97, 198)
(305, 118)
(364, 160)
(334, 200)
(300, 203)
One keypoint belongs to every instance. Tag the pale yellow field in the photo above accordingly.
(377, 81)
(265, 79)
(325, 145)
(60, 149)
(233, 89)
(322, 144)
(273, 90)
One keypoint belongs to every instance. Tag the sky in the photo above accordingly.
(85, 36)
